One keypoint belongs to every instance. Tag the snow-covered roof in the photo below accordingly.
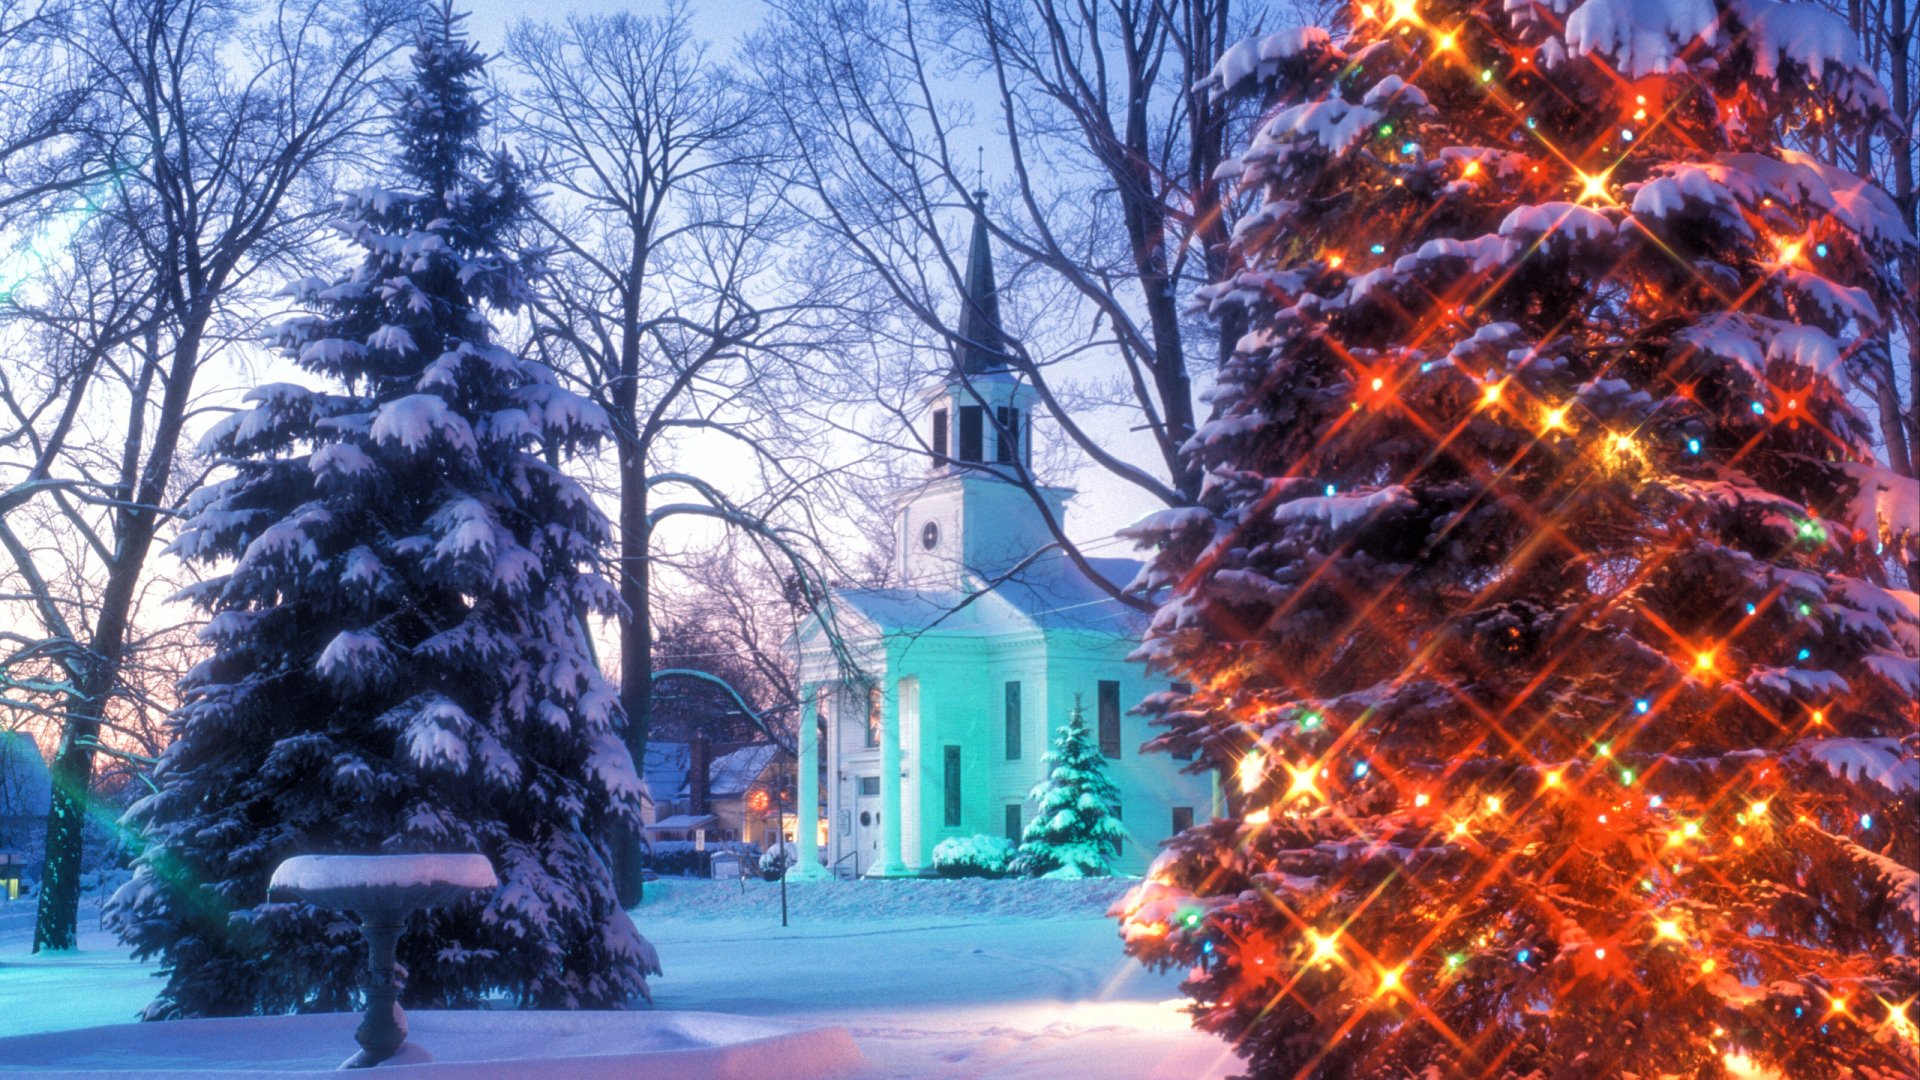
(732, 774)
(665, 768)
(1051, 594)
(683, 823)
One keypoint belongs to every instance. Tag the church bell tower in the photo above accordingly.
(972, 516)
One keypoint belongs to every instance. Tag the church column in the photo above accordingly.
(889, 864)
(806, 833)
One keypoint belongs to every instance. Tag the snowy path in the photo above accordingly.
(946, 980)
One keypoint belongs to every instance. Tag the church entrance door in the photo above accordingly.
(866, 825)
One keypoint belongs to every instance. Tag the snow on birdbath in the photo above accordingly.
(382, 890)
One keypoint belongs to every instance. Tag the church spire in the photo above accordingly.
(979, 349)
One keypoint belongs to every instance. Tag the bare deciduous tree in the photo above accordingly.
(1111, 211)
(206, 188)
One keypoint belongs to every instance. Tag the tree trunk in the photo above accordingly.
(57, 918)
(636, 645)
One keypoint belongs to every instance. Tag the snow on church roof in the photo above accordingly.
(1051, 594)
(732, 774)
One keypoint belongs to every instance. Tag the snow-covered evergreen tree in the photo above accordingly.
(1074, 833)
(1538, 609)
(399, 662)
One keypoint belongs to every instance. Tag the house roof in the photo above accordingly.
(1050, 594)
(683, 823)
(665, 768)
(732, 774)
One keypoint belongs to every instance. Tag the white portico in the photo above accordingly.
(967, 668)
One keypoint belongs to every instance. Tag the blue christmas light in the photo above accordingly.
(1409, 147)
(1820, 250)
(1524, 955)
(1532, 123)
(1206, 946)
(1330, 491)
(1693, 446)
(1428, 366)
(1750, 609)
(1655, 801)
(1804, 653)
(1866, 821)
(1626, 134)
(1759, 409)
(1360, 769)
(1378, 249)
(1642, 705)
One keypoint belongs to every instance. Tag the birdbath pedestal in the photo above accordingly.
(382, 890)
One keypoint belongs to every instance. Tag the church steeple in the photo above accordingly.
(982, 342)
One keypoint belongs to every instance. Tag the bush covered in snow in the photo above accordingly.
(775, 860)
(978, 855)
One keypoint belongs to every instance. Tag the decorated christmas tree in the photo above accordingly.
(1545, 609)
(1075, 832)
(399, 577)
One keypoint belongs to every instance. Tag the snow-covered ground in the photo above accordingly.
(948, 979)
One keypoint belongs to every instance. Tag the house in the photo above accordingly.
(698, 791)
(960, 676)
(26, 790)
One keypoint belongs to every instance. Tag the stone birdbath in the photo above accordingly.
(382, 890)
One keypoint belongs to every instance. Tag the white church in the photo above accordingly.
(966, 670)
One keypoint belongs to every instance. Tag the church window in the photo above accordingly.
(940, 447)
(1013, 823)
(869, 786)
(1013, 721)
(1109, 718)
(930, 535)
(1182, 819)
(972, 423)
(952, 777)
(1008, 440)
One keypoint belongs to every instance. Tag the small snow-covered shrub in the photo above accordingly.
(978, 855)
(776, 859)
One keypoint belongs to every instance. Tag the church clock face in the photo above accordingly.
(930, 536)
